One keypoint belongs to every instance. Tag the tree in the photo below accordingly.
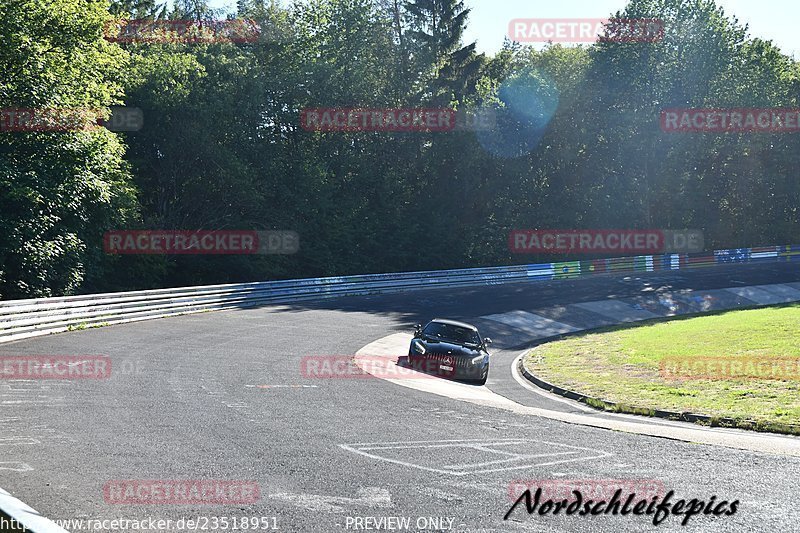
(138, 9)
(447, 71)
(58, 190)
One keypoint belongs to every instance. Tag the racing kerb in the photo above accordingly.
(21, 319)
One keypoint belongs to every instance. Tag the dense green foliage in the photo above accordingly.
(577, 144)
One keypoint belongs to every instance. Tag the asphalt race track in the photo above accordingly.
(221, 396)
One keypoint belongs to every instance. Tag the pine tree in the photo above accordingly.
(138, 9)
(437, 29)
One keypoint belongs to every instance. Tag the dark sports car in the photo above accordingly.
(450, 349)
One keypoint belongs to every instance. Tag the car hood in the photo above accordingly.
(448, 348)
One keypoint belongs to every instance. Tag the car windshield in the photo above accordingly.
(450, 332)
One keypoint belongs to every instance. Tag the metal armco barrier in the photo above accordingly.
(20, 319)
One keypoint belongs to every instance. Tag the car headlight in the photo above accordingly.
(418, 347)
(477, 360)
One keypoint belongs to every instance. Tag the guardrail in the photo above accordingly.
(20, 319)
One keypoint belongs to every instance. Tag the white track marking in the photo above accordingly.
(506, 460)
(441, 495)
(53, 401)
(15, 466)
(282, 386)
(730, 438)
(479, 446)
(405, 442)
(549, 395)
(370, 497)
(10, 441)
(427, 446)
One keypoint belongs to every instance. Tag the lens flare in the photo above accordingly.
(530, 99)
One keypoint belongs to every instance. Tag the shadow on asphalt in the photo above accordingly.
(469, 302)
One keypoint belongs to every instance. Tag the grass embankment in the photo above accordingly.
(712, 365)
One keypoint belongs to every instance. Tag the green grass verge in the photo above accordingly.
(624, 365)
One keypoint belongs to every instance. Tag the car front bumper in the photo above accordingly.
(456, 367)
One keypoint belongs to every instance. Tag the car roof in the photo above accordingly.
(454, 323)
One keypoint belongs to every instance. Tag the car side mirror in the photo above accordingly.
(487, 341)
(418, 329)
